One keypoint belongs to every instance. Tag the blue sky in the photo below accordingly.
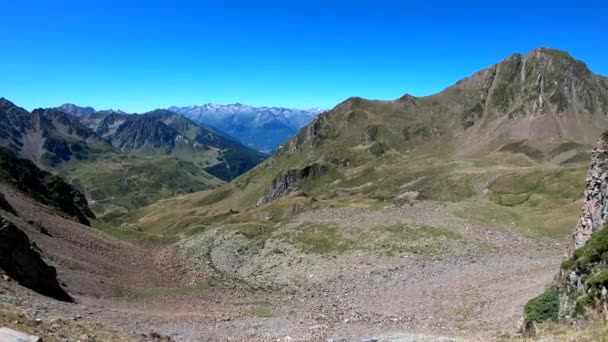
(140, 55)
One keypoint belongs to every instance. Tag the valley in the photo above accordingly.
(433, 218)
(228, 286)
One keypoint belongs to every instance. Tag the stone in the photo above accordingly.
(595, 208)
(289, 180)
(10, 335)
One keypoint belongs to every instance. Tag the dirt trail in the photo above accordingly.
(475, 293)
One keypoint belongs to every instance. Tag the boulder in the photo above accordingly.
(10, 335)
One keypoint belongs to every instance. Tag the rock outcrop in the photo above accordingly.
(6, 206)
(583, 278)
(289, 180)
(581, 285)
(22, 262)
(595, 209)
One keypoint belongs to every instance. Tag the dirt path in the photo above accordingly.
(473, 293)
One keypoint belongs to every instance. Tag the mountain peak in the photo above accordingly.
(5, 102)
(76, 110)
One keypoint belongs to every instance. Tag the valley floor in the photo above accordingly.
(470, 286)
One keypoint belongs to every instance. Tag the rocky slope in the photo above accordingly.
(263, 128)
(22, 262)
(47, 188)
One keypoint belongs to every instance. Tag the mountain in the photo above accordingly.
(156, 155)
(48, 137)
(509, 139)
(263, 128)
(163, 132)
(544, 105)
(545, 95)
(76, 110)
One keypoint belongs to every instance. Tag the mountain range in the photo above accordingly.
(539, 108)
(477, 186)
(263, 128)
(157, 153)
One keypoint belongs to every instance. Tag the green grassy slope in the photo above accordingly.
(114, 186)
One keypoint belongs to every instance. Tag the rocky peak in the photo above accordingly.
(4, 102)
(540, 82)
(76, 110)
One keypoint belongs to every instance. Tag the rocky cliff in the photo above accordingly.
(583, 279)
(595, 209)
(581, 287)
(22, 262)
(289, 180)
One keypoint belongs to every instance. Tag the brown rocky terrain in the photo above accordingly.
(473, 287)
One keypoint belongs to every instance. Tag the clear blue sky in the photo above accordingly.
(139, 55)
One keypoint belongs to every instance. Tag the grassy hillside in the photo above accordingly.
(538, 198)
(117, 185)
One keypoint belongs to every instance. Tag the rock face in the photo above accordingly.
(581, 286)
(22, 262)
(595, 209)
(582, 281)
(6, 206)
(289, 180)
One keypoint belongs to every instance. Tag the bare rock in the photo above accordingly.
(22, 262)
(289, 180)
(595, 208)
(10, 335)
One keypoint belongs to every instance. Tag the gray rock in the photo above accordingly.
(289, 180)
(595, 208)
(10, 335)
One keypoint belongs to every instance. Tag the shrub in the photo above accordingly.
(543, 308)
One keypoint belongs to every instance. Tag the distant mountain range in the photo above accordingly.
(263, 128)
